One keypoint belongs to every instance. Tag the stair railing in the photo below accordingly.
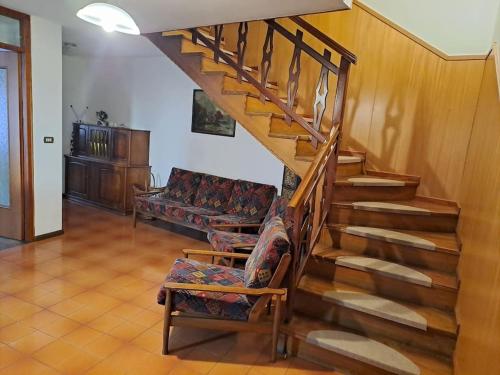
(311, 202)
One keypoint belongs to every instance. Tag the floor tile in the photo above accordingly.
(85, 303)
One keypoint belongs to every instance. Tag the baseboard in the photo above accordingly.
(49, 235)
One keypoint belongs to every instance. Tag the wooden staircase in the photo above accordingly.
(383, 272)
(374, 281)
(289, 142)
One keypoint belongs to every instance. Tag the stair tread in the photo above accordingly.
(369, 180)
(437, 320)
(444, 242)
(349, 159)
(438, 279)
(419, 205)
(426, 363)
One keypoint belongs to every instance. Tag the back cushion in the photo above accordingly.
(250, 199)
(182, 185)
(279, 207)
(272, 244)
(214, 192)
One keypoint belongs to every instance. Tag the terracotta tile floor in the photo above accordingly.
(84, 303)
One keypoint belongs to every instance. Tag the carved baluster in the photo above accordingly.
(267, 54)
(320, 99)
(242, 45)
(293, 75)
(218, 39)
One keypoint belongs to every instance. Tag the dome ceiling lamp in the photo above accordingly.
(109, 17)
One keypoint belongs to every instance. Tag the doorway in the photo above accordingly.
(16, 175)
(11, 215)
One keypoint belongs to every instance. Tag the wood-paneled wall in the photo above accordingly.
(409, 107)
(478, 308)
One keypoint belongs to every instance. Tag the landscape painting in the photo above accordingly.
(208, 118)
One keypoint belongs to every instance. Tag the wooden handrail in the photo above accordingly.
(313, 170)
(351, 57)
(303, 46)
(262, 88)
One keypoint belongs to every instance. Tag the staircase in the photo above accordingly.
(379, 292)
(374, 281)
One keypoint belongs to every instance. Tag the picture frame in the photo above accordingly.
(290, 183)
(208, 118)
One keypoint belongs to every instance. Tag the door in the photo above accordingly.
(11, 204)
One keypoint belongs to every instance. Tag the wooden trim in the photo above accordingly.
(495, 51)
(49, 235)
(27, 144)
(415, 38)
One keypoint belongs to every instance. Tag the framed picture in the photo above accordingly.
(208, 118)
(290, 183)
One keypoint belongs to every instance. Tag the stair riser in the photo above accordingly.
(210, 66)
(188, 47)
(331, 359)
(444, 299)
(374, 193)
(348, 170)
(254, 105)
(231, 85)
(402, 254)
(390, 220)
(280, 126)
(374, 327)
(305, 149)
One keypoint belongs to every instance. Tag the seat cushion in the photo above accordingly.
(210, 221)
(182, 185)
(224, 241)
(214, 192)
(188, 271)
(250, 199)
(272, 244)
(191, 215)
(279, 207)
(157, 205)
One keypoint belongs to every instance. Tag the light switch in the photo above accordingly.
(48, 139)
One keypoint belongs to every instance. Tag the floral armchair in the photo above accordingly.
(211, 296)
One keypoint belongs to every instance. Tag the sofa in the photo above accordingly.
(200, 201)
(228, 240)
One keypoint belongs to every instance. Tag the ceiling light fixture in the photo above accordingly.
(109, 17)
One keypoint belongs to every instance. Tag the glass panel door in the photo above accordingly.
(4, 142)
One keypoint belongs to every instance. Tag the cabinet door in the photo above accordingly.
(120, 145)
(77, 177)
(82, 140)
(109, 187)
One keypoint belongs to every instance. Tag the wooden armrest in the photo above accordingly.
(225, 289)
(241, 225)
(142, 193)
(215, 254)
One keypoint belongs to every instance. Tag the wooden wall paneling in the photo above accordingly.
(408, 107)
(479, 298)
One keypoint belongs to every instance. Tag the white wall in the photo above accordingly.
(46, 54)
(152, 93)
(457, 27)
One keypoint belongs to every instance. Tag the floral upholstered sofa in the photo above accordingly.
(199, 200)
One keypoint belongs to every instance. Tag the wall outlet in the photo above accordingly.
(48, 139)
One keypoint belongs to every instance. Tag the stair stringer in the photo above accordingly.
(233, 104)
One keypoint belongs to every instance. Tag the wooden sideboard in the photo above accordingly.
(105, 163)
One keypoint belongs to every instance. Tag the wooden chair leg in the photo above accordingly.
(134, 217)
(167, 321)
(276, 328)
